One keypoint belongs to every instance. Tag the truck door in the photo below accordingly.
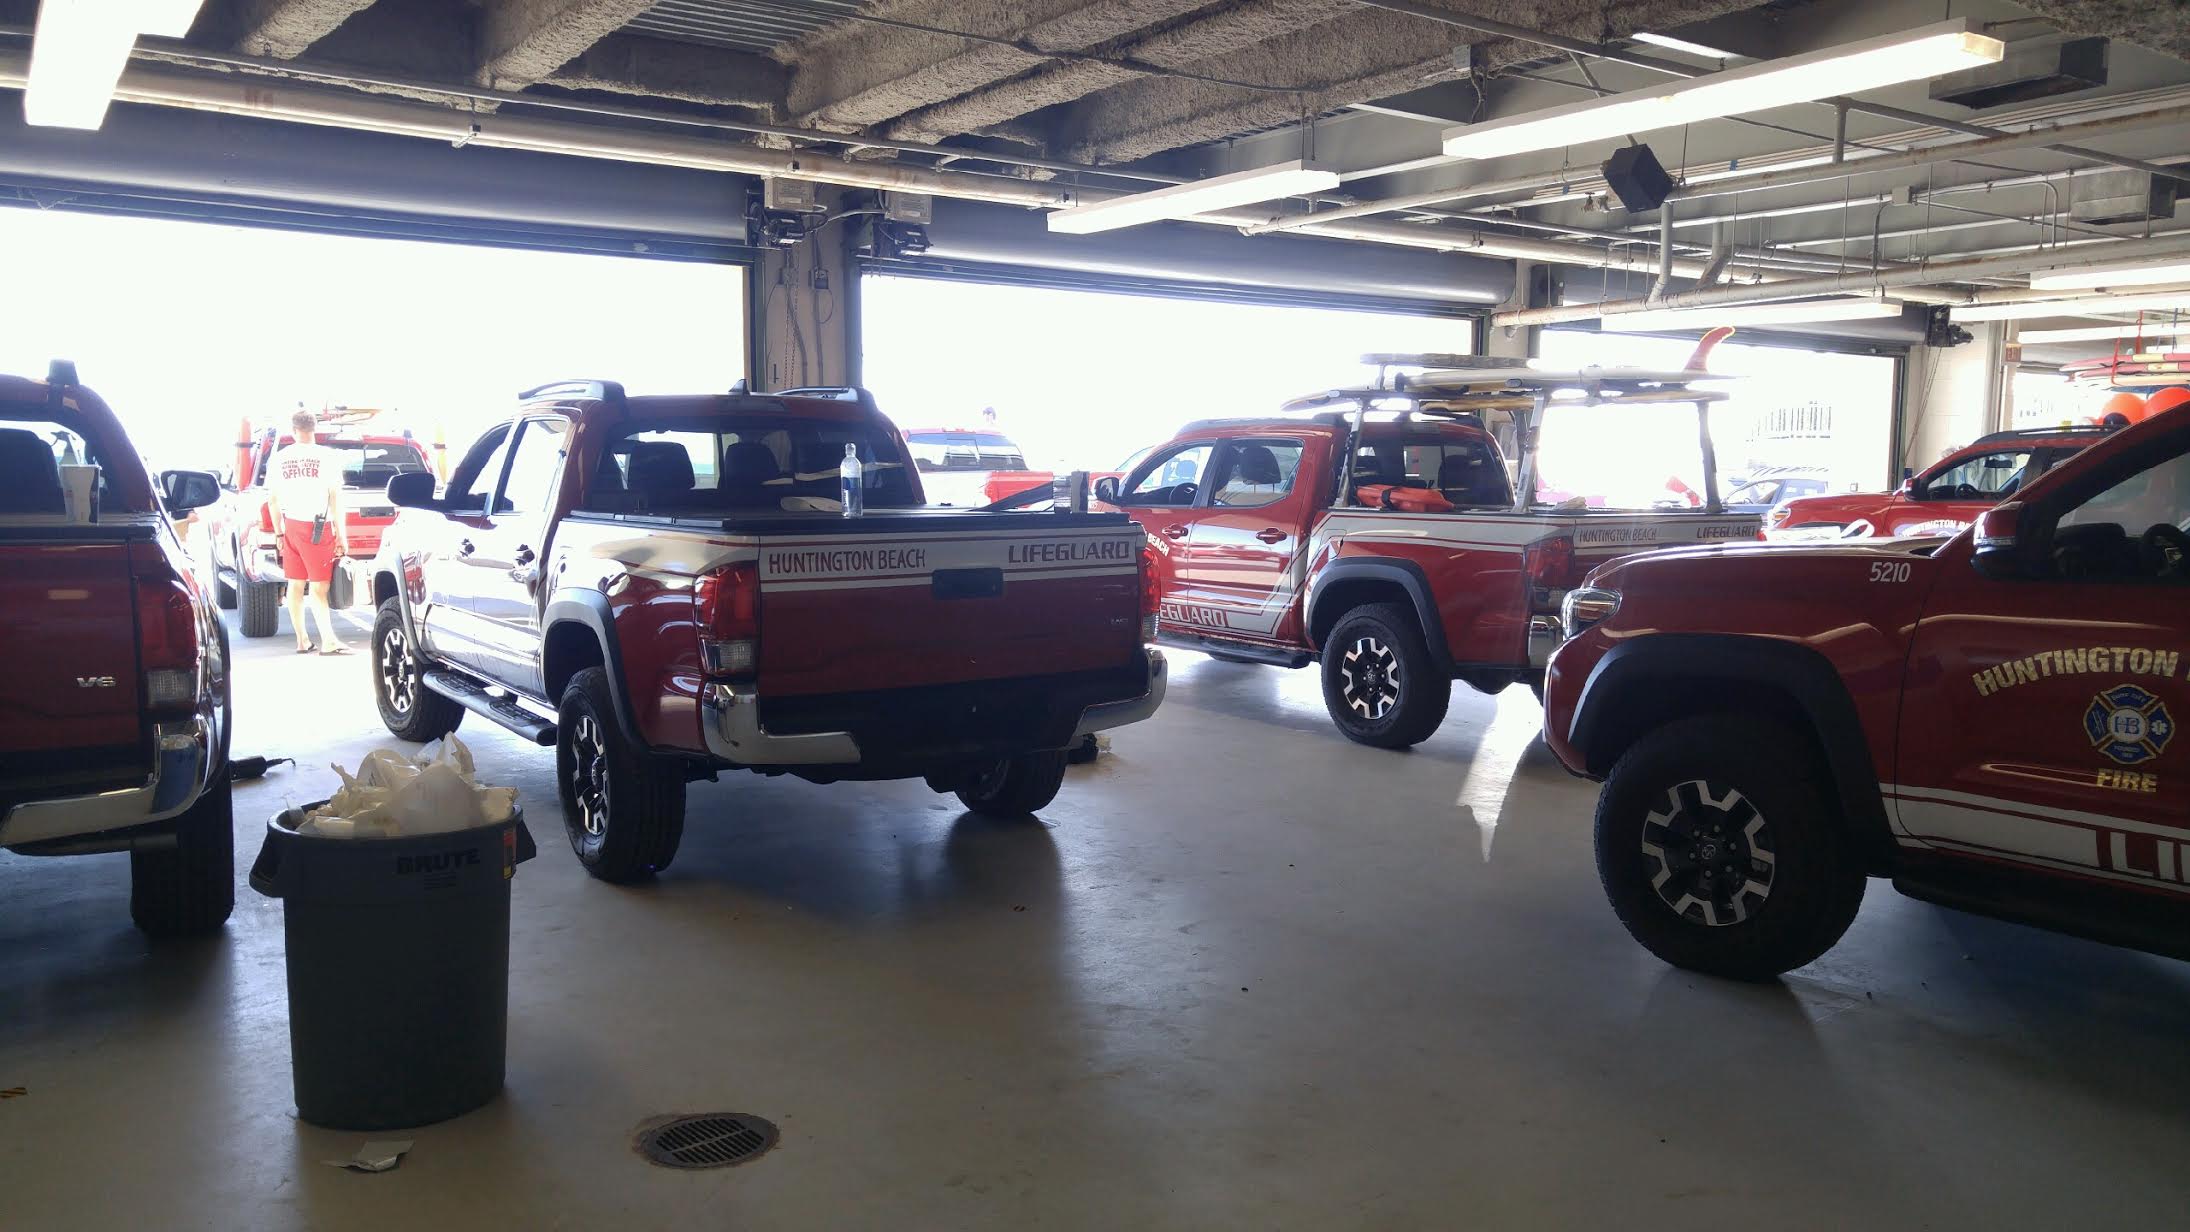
(503, 568)
(1165, 496)
(446, 617)
(2038, 724)
(1241, 558)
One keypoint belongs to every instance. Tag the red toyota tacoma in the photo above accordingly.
(1989, 720)
(1385, 540)
(114, 673)
(666, 587)
(1942, 500)
(246, 553)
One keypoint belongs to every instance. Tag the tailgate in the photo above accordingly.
(68, 667)
(852, 612)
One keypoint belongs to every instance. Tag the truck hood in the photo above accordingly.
(1757, 564)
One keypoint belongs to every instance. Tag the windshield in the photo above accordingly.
(964, 451)
(777, 465)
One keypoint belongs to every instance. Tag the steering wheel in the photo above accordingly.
(2164, 547)
(1966, 491)
(1183, 494)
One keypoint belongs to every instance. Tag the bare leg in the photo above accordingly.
(326, 618)
(296, 614)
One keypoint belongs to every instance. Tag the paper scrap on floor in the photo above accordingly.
(378, 1156)
(395, 794)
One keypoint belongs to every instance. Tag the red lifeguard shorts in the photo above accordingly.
(303, 560)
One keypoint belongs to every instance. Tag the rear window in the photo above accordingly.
(33, 449)
(371, 464)
(947, 452)
(779, 465)
(1466, 470)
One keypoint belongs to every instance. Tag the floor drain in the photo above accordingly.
(709, 1140)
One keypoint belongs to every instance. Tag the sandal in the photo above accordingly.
(337, 649)
(304, 650)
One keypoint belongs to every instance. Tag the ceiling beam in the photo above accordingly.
(1227, 30)
(858, 74)
(524, 41)
(284, 29)
(2161, 27)
(662, 68)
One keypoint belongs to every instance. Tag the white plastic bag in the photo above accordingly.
(393, 793)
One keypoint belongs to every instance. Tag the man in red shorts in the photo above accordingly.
(304, 493)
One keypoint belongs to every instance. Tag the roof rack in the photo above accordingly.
(599, 391)
(2024, 434)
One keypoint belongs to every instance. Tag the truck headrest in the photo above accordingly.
(659, 468)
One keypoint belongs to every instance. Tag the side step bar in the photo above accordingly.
(1271, 655)
(2156, 922)
(475, 697)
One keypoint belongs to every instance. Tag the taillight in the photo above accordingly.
(727, 604)
(167, 631)
(1548, 564)
(1151, 594)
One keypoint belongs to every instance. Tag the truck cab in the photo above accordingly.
(1987, 719)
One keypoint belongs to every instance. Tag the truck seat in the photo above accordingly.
(659, 470)
(30, 480)
(1472, 479)
(748, 467)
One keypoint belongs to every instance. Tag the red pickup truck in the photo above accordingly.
(246, 553)
(114, 714)
(1945, 498)
(1988, 719)
(666, 587)
(1386, 541)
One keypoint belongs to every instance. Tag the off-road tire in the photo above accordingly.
(1016, 786)
(224, 591)
(408, 709)
(259, 608)
(1383, 636)
(623, 810)
(190, 888)
(1750, 777)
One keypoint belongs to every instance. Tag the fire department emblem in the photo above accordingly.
(2128, 724)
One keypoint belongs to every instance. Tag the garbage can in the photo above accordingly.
(398, 968)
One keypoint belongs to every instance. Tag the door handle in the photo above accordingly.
(1174, 531)
(465, 548)
(524, 555)
(1270, 534)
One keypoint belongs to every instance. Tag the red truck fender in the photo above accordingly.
(1345, 584)
(578, 630)
(1644, 682)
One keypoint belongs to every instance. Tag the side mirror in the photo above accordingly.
(1106, 489)
(412, 490)
(1998, 552)
(183, 491)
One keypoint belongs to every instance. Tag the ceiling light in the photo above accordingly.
(2115, 274)
(1287, 179)
(79, 49)
(1785, 313)
(1673, 44)
(1913, 55)
(2090, 306)
(2105, 333)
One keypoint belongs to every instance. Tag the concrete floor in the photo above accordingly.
(1244, 974)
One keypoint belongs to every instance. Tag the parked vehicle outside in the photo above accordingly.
(663, 588)
(956, 464)
(1943, 499)
(114, 697)
(1987, 718)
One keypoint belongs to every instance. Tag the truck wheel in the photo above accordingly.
(224, 591)
(1379, 683)
(408, 709)
(624, 815)
(1016, 786)
(261, 606)
(191, 887)
(1718, 851)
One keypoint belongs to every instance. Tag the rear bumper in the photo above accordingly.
(183, 755)
(904, 732)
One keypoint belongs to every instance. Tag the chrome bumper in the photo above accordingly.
(182, 760)
(1132, 709)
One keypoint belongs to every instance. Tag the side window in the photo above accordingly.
(535, 467)
(2158, 496)
(1255, 473)
(1173, 480)
(1983, 477)
(475, 477)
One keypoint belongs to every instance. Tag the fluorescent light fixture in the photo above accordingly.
(1791, 312)
(1287, 179)
(2115, 274)
(1683, 45)
(79, 49)
(1913, 55)
(2032, 309)
(2106, 333)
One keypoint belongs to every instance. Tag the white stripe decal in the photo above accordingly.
(2089, 844)
(1020, 578)
(1995, 804)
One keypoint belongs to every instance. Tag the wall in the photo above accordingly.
(1953, 395)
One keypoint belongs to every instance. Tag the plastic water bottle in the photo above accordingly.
(848, 480)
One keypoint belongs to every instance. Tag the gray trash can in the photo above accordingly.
(398, 968)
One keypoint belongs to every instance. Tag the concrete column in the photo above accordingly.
(802, 305)
(1520, 343)
(1953, 395)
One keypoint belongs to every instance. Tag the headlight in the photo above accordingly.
(1585, 607)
